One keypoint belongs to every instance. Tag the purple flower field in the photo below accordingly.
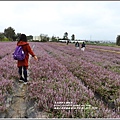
(66, 82)
(8, 72)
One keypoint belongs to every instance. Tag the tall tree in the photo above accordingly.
(73, 37)
(65, 36)
(54, 39)
(14, 38)
(1, 36)
(44, 37)
(118, 40)
(9, 33)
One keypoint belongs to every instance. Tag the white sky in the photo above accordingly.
(95, 20)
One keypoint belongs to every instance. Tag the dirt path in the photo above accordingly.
(19, 106)
(19, 100)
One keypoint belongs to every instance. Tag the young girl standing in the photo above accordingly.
(83, 46)
(23, 64)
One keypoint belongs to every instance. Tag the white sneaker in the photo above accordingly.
(21, 81)
(25, 83)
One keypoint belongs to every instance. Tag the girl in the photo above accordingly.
(77, 45)
(23, 64)
(83, 46)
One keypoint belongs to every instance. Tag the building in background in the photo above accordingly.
(36, 38)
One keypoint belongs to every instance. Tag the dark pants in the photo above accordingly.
(24, 70)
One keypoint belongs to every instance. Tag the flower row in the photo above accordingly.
(52, 80)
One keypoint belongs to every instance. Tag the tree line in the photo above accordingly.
(10, 35)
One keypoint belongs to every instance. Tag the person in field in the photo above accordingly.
(23, 64)
(83, 46)
(77, 45)
(67, 42)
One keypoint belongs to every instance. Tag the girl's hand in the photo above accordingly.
(35, 57)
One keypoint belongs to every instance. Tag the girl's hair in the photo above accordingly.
(23, 38)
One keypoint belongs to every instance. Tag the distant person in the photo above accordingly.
(77, 45)
(83, 46)
(23, 64)
(67, 42)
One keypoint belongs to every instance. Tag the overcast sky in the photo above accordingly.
(88, 20)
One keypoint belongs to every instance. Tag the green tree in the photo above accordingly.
(54, 39)
(118, 40)
(9, 33)
(44, 37)
(73, 37)
(29, 38)
(18, 35)
(1, 36)
(65, 36)
(14, 38)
